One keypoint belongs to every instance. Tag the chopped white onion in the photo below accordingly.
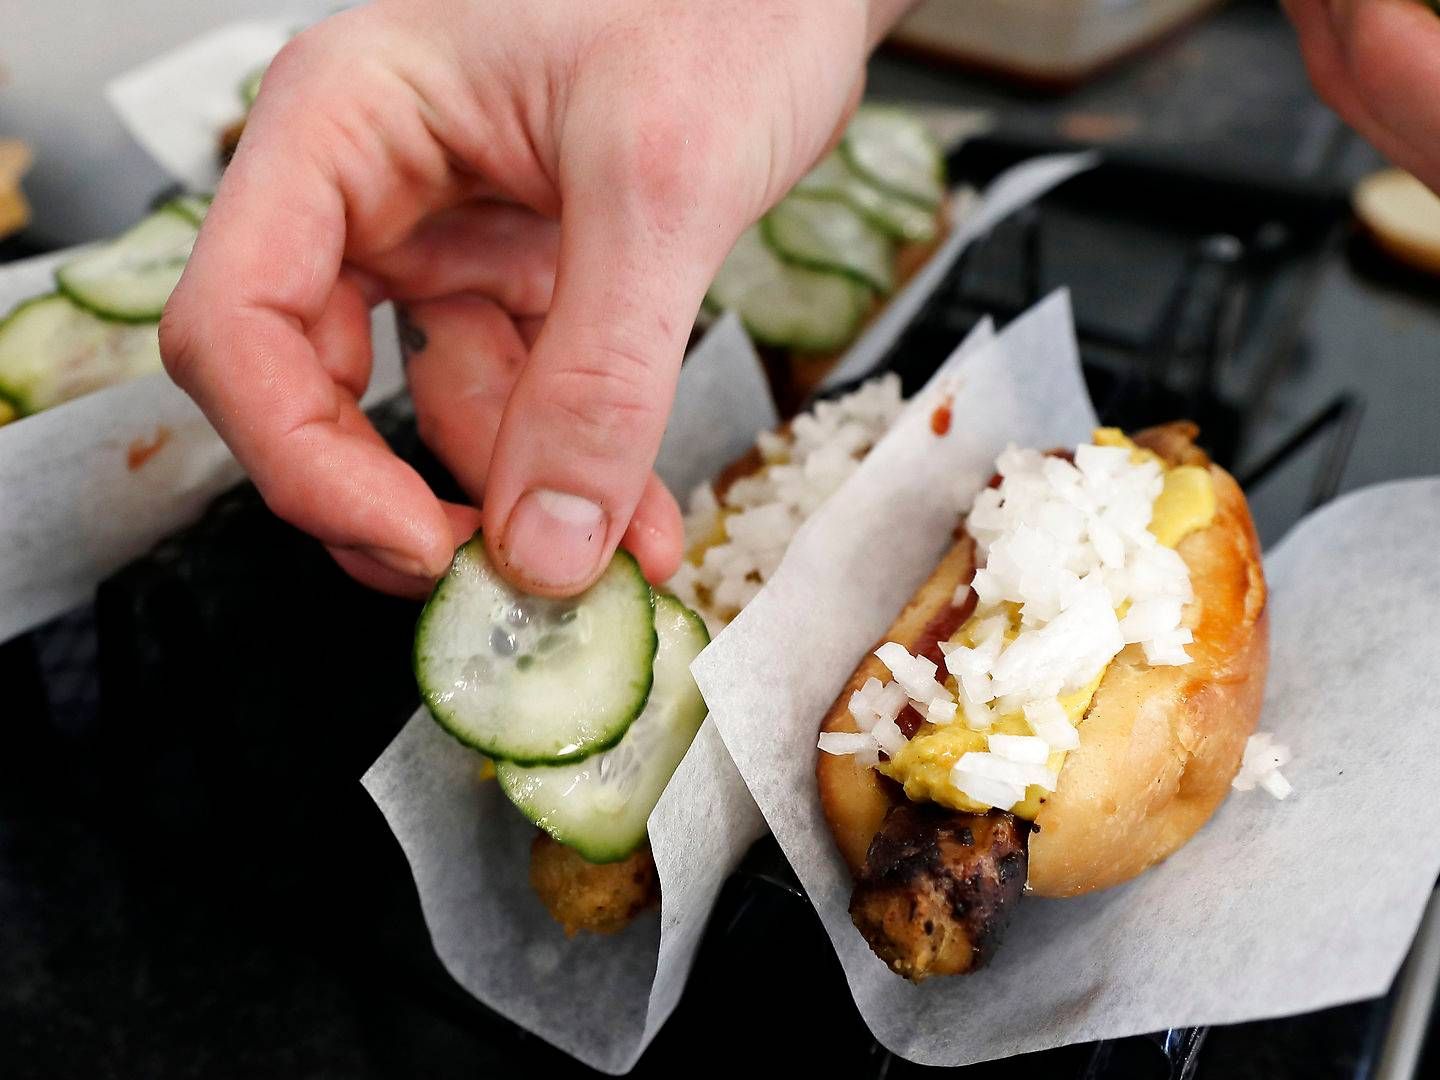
(1024, 749)
(845, 742)
(941, 712)
(994, 793)
(1275, 783)
(762, 512)
(994, 767)
(1260, 766)
(977, 717)
(1048, 721)
(1063, 545)
(888, 737)
(894, 656)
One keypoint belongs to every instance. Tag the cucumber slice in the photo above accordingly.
(601, 806)
(894, 151)
(194, 207)
(786, 305)
(529, 679)
(904, 220)
(52, 350)
(823, 232)
(132, 276)
(250, 86)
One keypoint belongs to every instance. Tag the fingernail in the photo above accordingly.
(397, 561)
(554, 540)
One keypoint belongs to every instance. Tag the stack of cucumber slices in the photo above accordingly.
(586, 705)
(100, 325)
(805, 276)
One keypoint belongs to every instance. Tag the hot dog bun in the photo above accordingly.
(855, 797)
(1159, 745)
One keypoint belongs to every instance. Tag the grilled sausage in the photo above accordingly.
(938, 888)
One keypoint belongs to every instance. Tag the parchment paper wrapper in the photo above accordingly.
(89, 485)
(1273, 908)
(177, 105)
(599, 998)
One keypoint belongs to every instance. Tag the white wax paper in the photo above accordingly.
(177, 105)
(721, 402)
(73, 508)
(1273, 908)
(599, 998)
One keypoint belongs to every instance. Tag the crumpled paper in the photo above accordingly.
(1274, 908)
(89, 485)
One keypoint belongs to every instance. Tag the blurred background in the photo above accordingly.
(192, 882)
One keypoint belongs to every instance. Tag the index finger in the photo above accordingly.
(235, 336)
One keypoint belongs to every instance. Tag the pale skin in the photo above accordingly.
(546, 188)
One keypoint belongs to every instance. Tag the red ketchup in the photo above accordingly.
(940, 418)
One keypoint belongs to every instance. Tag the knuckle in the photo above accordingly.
(179, 345)
(670, 161)
(287, 500)
(608, 398)
(1375, 81)
(299, 54)
(438, 425)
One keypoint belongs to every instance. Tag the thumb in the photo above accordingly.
(583, 423)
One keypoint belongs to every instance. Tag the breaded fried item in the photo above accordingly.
(600, 898)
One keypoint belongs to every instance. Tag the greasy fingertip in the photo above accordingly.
(656, 536)
(374, 574)
(464, 521)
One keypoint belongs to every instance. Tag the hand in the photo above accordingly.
(1377, 64)
(547, 188)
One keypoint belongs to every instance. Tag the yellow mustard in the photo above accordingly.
(714, 538)
(1186, 503)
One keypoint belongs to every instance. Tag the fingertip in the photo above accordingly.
(375, 574)
(656, 535)
(464, 522)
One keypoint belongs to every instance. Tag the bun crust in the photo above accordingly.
(1159, 746)
(855, 797)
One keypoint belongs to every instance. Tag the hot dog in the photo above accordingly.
(737, 528)
(1139, 745)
